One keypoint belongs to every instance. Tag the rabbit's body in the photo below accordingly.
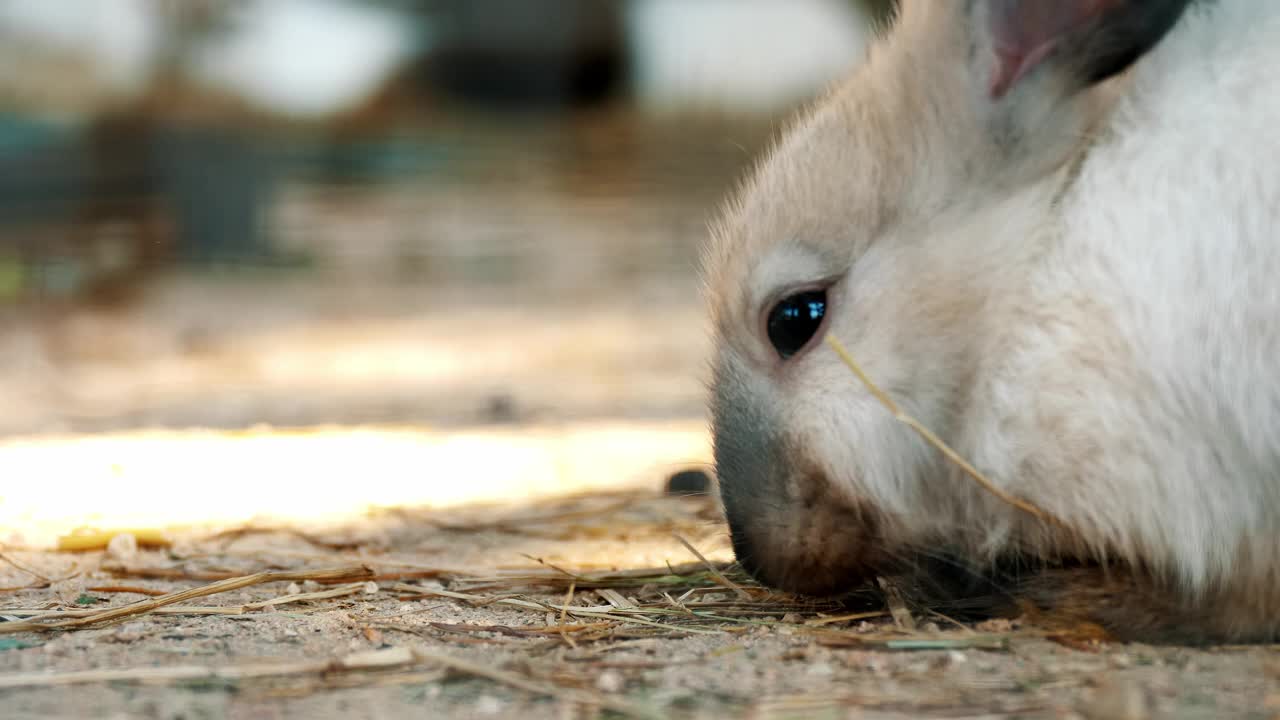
(1078, 289)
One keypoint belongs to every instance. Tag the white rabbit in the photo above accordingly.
(1050, 230)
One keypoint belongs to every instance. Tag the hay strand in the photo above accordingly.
(715, 573)
(937, 442)
(144, 607)
(367, 660)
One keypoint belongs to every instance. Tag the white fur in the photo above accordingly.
(1171, 237)
(1100, 337)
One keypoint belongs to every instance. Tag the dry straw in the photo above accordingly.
(61, 621)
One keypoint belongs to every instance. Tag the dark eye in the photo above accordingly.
(795, 320)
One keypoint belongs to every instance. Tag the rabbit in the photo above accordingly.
(1048, 230)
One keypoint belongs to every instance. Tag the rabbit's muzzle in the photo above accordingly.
(790, 529)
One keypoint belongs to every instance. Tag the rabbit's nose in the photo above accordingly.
(818, 548)
(791, 528)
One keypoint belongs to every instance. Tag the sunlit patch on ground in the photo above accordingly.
(56, 485)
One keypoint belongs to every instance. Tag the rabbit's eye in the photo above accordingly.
(795, 320)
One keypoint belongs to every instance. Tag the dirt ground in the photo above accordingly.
(455, 435)
(462, 614)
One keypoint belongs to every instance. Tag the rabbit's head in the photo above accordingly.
(890, 214)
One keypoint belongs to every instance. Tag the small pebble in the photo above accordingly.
(880, 668)
(501, 408)
(130, 632)
(689, 483)
(123, 547)
(1117, 699)
(995, 625)
(610, 681)
(797, 653)
(822, 669)
(488, 705)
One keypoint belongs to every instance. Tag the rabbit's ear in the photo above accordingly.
(1083, 42)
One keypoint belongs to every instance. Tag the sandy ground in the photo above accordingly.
(471, 655)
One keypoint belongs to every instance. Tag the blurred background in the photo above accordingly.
(439, 214)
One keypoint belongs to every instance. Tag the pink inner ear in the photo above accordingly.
(1026, 31)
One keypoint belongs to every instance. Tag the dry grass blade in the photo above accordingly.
(937, 442)
(129, 589)
(369, 660)
(684, 574)
(605, 612)
(719, 576)
(340, 591)
(161, 573)
(616, 599)
(833, 639)
(178, 574)
(144, 607)
(897, 606)
(37, 575)
(521, 682)
(36, 615)
(819, 622)
(564, 609)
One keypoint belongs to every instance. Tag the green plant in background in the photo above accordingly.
(12, 277)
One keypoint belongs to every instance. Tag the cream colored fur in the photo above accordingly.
(1079, 292)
